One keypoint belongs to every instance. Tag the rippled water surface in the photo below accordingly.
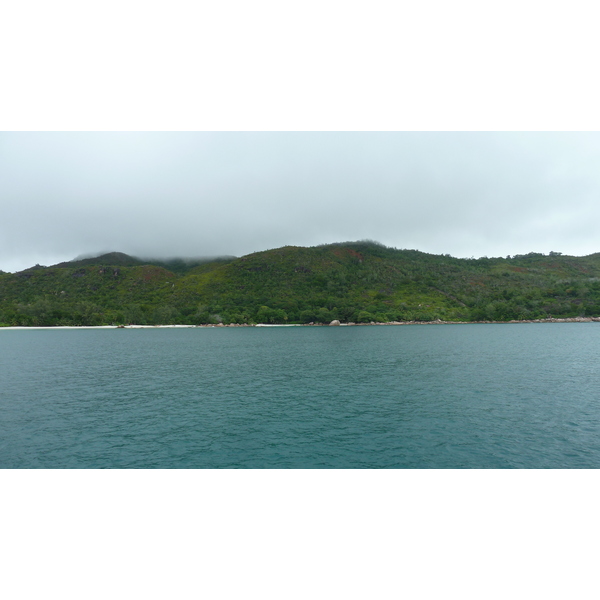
(433, 396)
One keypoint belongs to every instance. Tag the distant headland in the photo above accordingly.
(351, 282)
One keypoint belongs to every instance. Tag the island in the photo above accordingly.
(351, 282)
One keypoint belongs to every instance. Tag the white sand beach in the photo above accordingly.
(222, 325)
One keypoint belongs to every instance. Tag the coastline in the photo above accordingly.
(222, 325)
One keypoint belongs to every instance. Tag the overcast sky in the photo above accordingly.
(202, 194)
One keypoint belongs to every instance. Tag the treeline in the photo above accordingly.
(359, 282)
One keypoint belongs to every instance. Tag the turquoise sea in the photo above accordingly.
(419, 396)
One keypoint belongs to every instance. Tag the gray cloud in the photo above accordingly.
(202, 194)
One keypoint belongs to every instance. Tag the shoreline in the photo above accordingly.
(396, 323)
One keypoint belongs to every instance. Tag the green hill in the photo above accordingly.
(118, 259)
(354, 281)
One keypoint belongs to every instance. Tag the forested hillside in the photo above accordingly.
(355, 281)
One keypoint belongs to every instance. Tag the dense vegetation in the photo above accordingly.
(355, 281)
